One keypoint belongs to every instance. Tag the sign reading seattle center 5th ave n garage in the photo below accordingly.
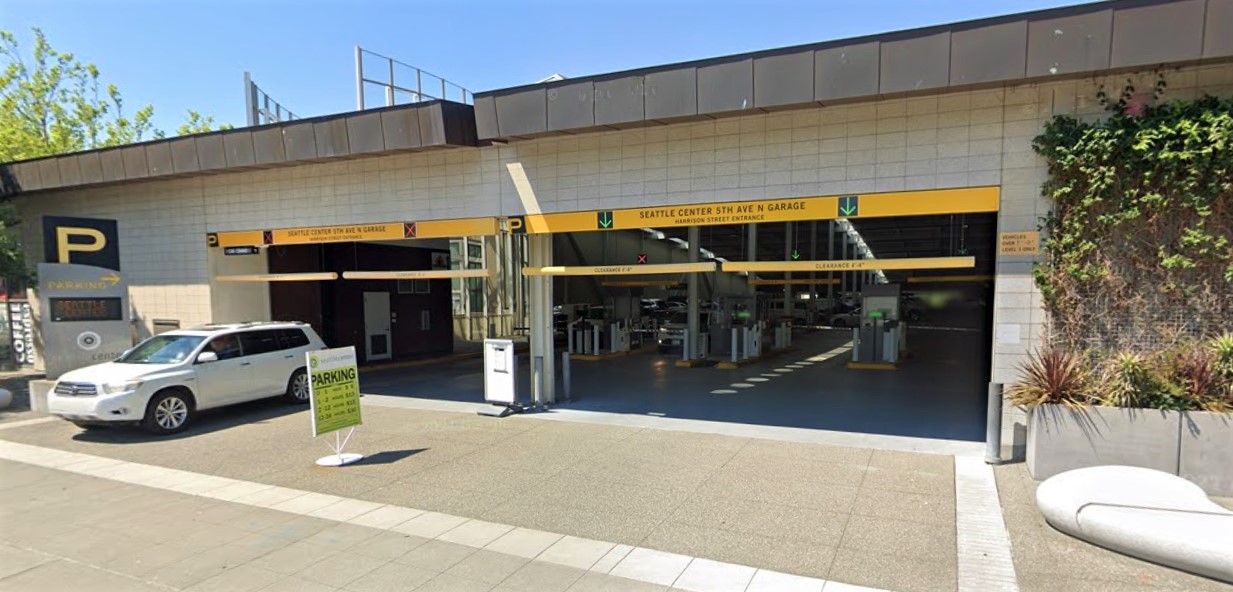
(335, 389)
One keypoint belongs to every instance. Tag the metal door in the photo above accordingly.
(377, 338)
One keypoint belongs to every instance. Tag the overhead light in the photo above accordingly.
(657, 235)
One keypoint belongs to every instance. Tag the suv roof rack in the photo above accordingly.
(244, 324)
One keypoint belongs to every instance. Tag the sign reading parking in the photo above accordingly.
(334, 389)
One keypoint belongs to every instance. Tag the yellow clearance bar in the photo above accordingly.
(279, 277)
(877, 205)
(356, 232)
(640, 284)
(800, 282)
(945, 279)
(853, 264)
(660, 269)
(435, 274)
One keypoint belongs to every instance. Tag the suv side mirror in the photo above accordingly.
(206, 357)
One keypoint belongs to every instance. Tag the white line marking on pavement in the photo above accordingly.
(985, 563)
(637, 563)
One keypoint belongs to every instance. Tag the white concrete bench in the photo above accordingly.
(1143, 513)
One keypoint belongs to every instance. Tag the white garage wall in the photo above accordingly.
(951, 140)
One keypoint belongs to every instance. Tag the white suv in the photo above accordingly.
(166, 379)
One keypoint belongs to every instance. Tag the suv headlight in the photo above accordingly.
(115, 388)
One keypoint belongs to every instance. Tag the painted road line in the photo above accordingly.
(637, 563)
(985, 563)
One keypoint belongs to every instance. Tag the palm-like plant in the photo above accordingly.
(1053, 375)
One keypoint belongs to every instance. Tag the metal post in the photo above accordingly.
(595, 348)
(830, 256)
(442, 89)
(389, 90)
(419, 88)
(250, 106)
(993, 426)
(844, 285)
(359, 79)
(813, 275)
(691, 333)
(565, 378)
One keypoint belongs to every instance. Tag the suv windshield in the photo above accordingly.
(162, 349)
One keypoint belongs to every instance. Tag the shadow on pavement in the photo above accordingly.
(210, 420)
(389, 456)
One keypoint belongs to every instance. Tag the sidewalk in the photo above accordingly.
(65, 531)
(874, 518)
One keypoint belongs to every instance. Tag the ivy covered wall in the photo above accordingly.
(1138, 249)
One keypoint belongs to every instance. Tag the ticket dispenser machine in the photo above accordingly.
(879, 339)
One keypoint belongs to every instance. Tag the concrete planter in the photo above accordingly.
(1193, 444)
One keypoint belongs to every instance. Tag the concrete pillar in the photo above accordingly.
(830, 256)
(813, 256)
(787, 256)
(844, 284)
(541, 338)
(752, 254)
(691, 337)
(494, 287)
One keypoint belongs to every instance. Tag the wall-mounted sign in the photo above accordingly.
(355, 232)
(1019, 243)
(84, 241)
(241, 250)
(878, 205)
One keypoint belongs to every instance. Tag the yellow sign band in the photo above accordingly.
(436, 274)
(665, 268)
(853, 264)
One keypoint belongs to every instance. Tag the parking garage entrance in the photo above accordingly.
(862, 314)
(391, 290)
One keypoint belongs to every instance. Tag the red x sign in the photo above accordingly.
(641, 257)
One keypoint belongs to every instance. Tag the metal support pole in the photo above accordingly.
(595, 340)
(993, 425)
(389, 90)
(250, 105)
(419, 88)
(845, 285)
(359, 78)
(691, 333)
(813, 256)
(736, 349)
(565, 377)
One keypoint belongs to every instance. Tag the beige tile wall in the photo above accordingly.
(953, 140)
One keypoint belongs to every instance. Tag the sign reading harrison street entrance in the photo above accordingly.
(907, 203)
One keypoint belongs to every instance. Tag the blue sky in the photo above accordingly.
(182, 54)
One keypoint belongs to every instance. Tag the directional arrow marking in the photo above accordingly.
(605, 219)
(111, 278)
(847, 206)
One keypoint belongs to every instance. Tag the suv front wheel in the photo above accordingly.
(168, 412)
(297, 387)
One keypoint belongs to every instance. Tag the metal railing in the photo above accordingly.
(260, 107)
(420, 84)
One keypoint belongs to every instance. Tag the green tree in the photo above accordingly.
(200, 124)
(52, 103)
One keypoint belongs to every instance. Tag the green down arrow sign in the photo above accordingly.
(605, 219)
(796, 254)
(849, 206)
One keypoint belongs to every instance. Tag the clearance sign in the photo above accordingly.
(355, 232)
(879, 205)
